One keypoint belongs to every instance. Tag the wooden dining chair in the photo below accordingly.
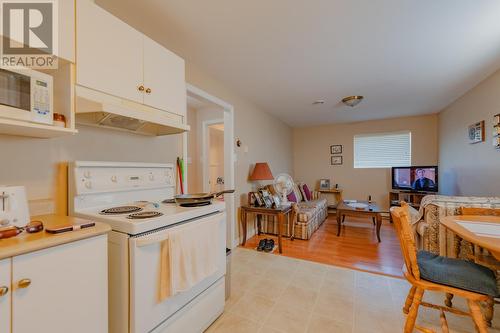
(429, 272)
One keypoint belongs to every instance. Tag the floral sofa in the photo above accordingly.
(310, 213)
(430, 236)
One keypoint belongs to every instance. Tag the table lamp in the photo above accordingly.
(261, 171)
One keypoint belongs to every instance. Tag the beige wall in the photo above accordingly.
(311, 155)
(267, 139)
(467, 169)
(33, 162)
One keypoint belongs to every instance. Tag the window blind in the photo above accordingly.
(382, 150)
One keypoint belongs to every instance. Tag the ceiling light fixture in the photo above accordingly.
(352, 101)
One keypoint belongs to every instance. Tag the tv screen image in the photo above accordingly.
(419, 179)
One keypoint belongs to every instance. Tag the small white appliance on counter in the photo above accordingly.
(13, 206)
(135, 199)
(26, 95)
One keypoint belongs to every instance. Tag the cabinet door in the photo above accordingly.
(109, 53)
(67, 30)
(68, 290)
(5, 299)
(164, 74)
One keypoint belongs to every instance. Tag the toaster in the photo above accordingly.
(13, 206)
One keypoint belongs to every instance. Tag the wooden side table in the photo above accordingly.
(333, 191)
(280, 213)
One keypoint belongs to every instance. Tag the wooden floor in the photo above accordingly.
(356, 248)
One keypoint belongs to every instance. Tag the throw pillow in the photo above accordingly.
(301, 188)
(291, 197)
(298, 194)
(307, 192)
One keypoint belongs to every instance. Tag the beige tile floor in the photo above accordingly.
(273, 294)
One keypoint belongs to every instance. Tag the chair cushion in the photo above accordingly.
(457, 273)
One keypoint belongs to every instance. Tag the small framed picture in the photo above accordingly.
(337, 160)
(268, 202)
(476, 132)
(324, 184)
(277, 200)
(259, 202)
(336, 149)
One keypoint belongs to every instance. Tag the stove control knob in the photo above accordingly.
(88, 185)
(86, 174)
(114, 179)
(170, 176)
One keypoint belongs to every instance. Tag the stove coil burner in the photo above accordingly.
(144, 215)
(121, 210)
(169, 201)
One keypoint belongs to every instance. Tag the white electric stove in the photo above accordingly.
(135, 199)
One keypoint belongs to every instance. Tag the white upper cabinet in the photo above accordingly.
(109, 53)
(164, 78)
(114, 58)
(5, 295)
(66, 30)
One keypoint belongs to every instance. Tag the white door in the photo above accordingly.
(65, 289)
(5, 294)
(164, 78)
(109, 53)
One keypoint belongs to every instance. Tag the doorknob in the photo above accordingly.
(148, 91)
(3, 291)
(24, 283)
(140, 88)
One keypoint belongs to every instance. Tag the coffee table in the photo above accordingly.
(371, 210)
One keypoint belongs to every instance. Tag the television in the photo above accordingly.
(415, 178)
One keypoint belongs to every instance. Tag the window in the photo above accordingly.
(383, 150)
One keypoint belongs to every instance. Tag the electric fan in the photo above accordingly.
(283, 184)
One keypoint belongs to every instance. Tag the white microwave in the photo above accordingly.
(26, 95)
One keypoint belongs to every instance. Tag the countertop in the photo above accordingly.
(25, 242)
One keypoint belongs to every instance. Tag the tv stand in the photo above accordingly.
(413, 198)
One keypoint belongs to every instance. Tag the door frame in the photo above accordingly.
(205, 139)
(229, 156)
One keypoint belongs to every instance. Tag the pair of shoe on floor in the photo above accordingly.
(266, 245)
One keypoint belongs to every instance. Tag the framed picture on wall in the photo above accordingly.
(337, 160)
(336, 149)
(476, 132)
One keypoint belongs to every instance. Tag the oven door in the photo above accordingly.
(146, 312)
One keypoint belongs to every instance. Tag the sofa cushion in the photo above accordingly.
(457, 273)
(292, 197)
(307, 192)
(297, 192)
(306, 214)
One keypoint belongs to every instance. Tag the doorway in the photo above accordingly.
(211, 120)
(213, 156)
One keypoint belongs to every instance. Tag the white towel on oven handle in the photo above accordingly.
(188, 256)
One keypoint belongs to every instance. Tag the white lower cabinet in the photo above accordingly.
(60, 289)
(5, 295)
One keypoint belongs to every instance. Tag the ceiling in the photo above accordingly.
(406, 57)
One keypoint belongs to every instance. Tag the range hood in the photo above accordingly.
(95, 108)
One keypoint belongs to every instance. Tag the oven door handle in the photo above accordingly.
(152, 239)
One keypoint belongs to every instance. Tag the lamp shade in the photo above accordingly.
(261, 171)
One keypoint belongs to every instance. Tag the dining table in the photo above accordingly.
(483, 231)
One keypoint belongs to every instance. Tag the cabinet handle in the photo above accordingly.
(24, 283)
(140, 88)
(148, 91)
(3, 291)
